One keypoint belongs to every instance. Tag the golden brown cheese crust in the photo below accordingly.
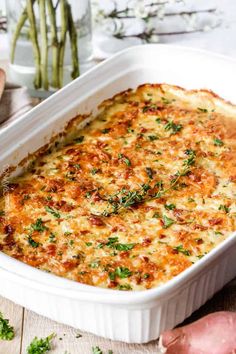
(141, 193)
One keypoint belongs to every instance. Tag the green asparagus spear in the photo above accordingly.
(20, 24)
(74, 46)
(44, 44)
(34, 38)
(64, 28)
(54, 42)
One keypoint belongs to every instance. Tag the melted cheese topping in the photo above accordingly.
(141, 193)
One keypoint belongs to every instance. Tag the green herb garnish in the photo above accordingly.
(125, 159)
(218, 142)
(191, 157)
(146, 276)
(6, 331)
(38, 226)
(153, 137)
(106, 130)
(148, 107)
(173, 127)
(149, 172)
(53, 212)
(124, 287)
(94, 171)
(79, 140)
(180, 249)
(167, 222)
(166, 100)
(113, 243)
(224, 208)
(170, 206)
(203, 110)
(40, 346)
(94, 264)
(32, 243)
(120, 272)
(129, 130)
(96, 350)
(52, 238)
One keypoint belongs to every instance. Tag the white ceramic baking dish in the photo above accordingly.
(127, 316)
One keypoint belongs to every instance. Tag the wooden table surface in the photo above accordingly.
(68, 340)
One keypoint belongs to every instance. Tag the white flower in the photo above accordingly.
(154, 38)
(99, 16)
(191, 22)
(161, 13)
(141, 11)
(108, 25)
(207, 28)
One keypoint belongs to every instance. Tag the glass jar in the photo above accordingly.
(50, 42)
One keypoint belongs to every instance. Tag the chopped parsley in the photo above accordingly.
(146, 276)
(32, 243)
(166, 100)
(77, 166)
(218, 142)
(170, 206)
(156, 215)
(94, 264)
(96, 350)
(180, 249)
(38, 226)
(173, 127)
(94, 171)
(129, 130)
(88, 195)
(113, 242)
(125, 159)
(153, 137)
(149, 172)
(40, 346)
(120, 272)
(53, 212)
(106, 130)
(124, 287)
(79, 140)
(191, 200)
(123, 246)
(6, 331)
(167, 222)
(152, 106)
(203, 110)
(2, 212)
(52, 238)
(224, 208)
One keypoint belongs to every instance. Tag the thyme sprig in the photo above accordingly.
(125, 199)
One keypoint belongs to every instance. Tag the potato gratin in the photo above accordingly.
(140, 194)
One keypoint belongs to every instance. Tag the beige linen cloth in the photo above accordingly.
(14, 101)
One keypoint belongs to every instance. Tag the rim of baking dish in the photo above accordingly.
(22, 273)
(29, 276)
